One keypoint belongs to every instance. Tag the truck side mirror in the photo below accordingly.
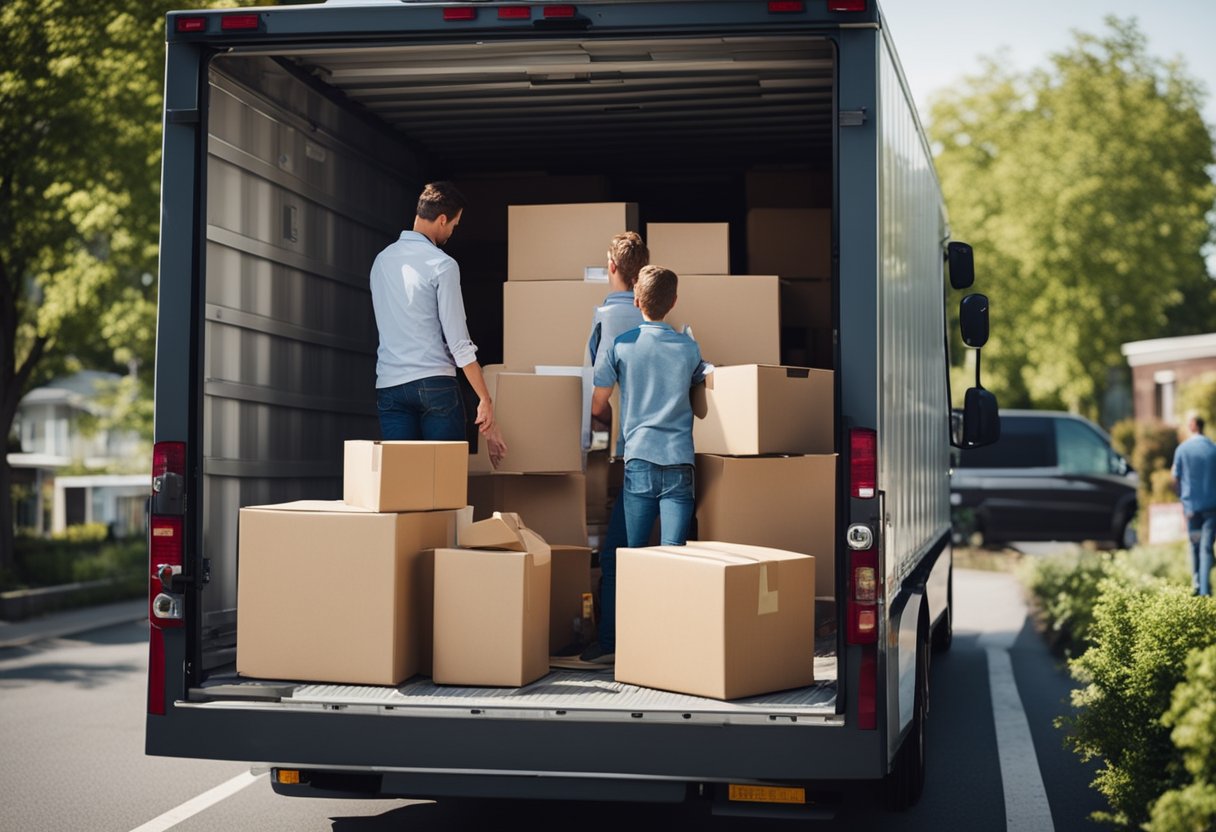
(980, 422)
(960, 264)
(973, 319)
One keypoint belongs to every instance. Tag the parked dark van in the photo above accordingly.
(1051, 476)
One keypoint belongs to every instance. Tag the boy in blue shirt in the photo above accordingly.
(656, 368)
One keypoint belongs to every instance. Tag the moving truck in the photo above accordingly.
(296, 139)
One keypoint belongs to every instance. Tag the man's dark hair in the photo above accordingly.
(440, 198)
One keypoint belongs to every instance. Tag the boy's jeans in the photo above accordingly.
(429, 408)
(1202, 528)
(665, 491)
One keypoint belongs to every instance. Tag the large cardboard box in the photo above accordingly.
(492, 606)
(690, 247)
(329, 592)
(790, 242)
(735, 319)
(786, 502)
(560, 242)
(554, 505)
(405, 476)
(764, 409)
(722, 620)
(549, 322)
(540, 417)
(569, 581)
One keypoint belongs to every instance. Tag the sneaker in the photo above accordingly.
(595, 655)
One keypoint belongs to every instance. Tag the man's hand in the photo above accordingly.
(495, 445)
(485, 416)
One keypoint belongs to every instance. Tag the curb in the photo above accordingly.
(71, 622)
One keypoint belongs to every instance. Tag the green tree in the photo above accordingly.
(1084, 189)
(80, 111)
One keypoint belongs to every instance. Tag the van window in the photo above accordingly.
(1081, 451)
(1026, 442)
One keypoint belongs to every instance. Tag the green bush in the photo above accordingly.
(1123, 437)
(42, 562)
(1141, 635)
(83, 533)
(1199, 395)
(1192, 715)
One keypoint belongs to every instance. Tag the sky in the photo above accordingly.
(940, 41)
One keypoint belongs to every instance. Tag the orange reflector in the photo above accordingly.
(866, 620)
(766, 794)
(287, 776)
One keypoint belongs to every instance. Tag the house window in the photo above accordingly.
(1165, 386)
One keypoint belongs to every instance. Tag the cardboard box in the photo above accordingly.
(554, 505)
(405, 476)
(492, 606)
(715, 619)
(549, 322)
(690, 247)
(785, 502)
(790, 242)
(569, 580)
(764, 409)
(540, 419)
(735, 319)
(329, 592)
(806, 303)
(559, 242)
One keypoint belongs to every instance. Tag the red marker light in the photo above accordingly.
(239, 22)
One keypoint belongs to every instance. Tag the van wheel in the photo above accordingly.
(902, 787)
(943, 633)
(1127, 533)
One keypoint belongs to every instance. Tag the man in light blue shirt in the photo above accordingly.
(1194, 473)
(423, 335)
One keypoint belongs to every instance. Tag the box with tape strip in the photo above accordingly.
(721, 620)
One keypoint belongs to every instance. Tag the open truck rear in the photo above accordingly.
(296, 138)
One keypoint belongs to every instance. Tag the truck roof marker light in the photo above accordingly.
(515, 13)
(786, 6)
(190, 24)
(846, 5)
(460, 13)
(239, 22)
(863, 462)
(559, 11)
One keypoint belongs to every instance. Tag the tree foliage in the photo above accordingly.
(1084, 190)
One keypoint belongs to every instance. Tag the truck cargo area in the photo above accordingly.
(314, 156)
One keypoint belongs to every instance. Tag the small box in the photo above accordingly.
(540, 417)
(570, 579)
(492, 606)
(790, 242)
(558, 242)
(329, 592)
(549, 322)
(405, 476)
(751, 409)
(715, 619)
(734, 319)
(784, 502)
(690, 247)
(554, 505)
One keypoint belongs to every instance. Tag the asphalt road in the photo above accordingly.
(71, 719)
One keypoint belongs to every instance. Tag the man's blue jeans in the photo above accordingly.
(429, 408)
(1202, 528)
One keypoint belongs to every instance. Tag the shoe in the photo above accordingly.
(595, 655)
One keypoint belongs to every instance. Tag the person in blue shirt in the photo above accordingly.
(423, 334)
(627, 256)
(656, 368)
(1194, 474)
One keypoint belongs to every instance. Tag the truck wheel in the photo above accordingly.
(1127, 533)
(902, 787)
(943, 633)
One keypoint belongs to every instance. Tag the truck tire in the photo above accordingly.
(902, 787)
(943, 633)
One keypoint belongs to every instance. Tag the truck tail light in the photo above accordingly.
(514, 12)
(239, 22)
(191, 24)
(166, 557)
(846, 5)
(862, 607)
(863, 462)
(559, 11)
(867, 689)
(785, 6)
(460, 13)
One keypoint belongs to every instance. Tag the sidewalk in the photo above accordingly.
(71, 622)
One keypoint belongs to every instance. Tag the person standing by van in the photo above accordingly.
(423, 332)
(1194, 473)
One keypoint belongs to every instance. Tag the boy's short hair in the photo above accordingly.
(655, 291)
(630, 254)
(440, 198)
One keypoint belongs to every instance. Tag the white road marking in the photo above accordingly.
(204, 801)
(1026, 807)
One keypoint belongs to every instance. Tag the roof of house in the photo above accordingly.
(1168, 350)
(76, 389)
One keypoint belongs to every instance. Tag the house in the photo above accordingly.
(1160, 367)
(51, 442)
